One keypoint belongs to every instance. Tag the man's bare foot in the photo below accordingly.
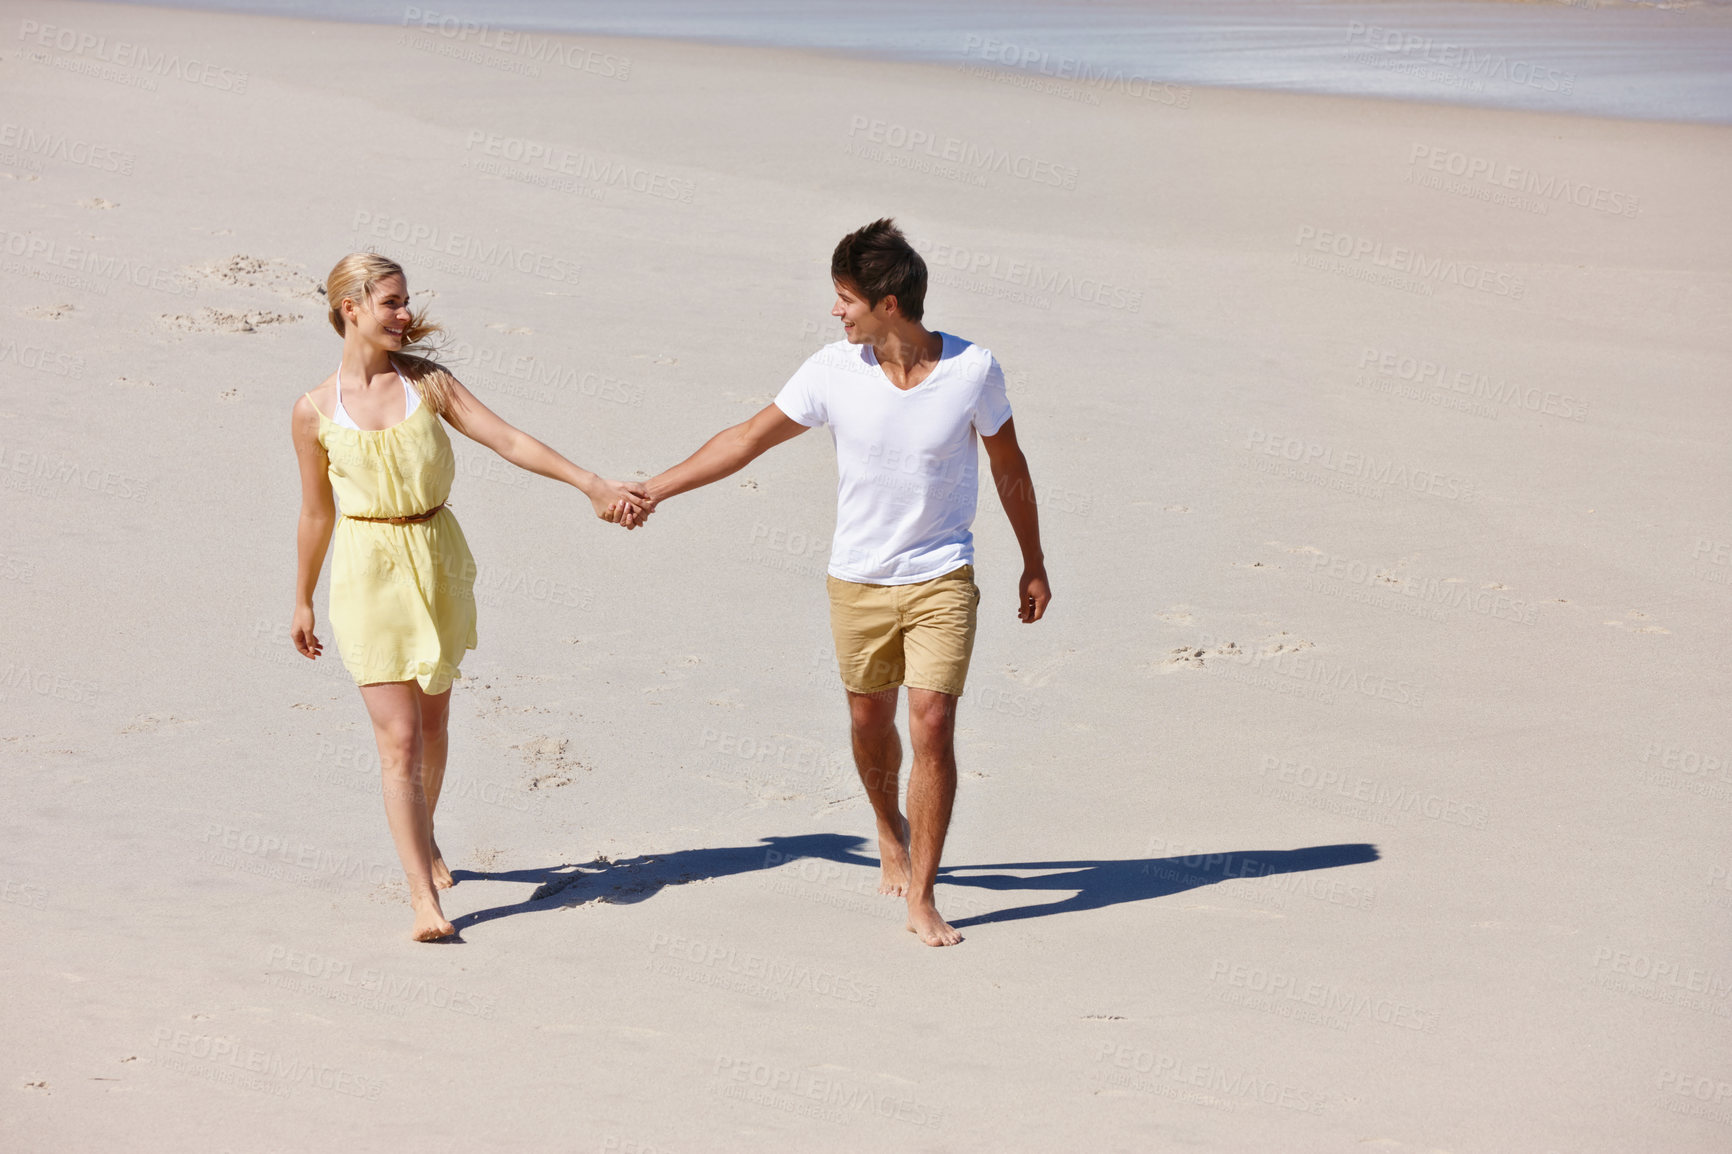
(925, 920)
(430, 923)
(442, 878)
(893, 868)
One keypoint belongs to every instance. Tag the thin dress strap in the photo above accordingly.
(411, 395)
(338, 413)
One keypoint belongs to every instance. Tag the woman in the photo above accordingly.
(402, 603)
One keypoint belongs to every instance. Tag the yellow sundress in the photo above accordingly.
(402, 603)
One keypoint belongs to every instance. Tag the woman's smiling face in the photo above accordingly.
(384, 318)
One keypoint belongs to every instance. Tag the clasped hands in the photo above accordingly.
(623, 503)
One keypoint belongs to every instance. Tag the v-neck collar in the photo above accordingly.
(944, 355)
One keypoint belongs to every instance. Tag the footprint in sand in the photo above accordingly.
(551, 766)
(157, 723)
(273, 275)
(1635, 624)
(1184, 656)
(209, 320)
(1197, 656)
(97, 202)
(1041, 673)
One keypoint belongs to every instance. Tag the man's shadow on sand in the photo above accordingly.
(1089, 885)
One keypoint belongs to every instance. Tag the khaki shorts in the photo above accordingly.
(919, 635)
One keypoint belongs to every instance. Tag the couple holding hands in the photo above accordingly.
(904, 405)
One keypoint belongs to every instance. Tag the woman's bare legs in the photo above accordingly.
(435, 743)
(395, 708)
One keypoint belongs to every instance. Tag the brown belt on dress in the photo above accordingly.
(410, 520)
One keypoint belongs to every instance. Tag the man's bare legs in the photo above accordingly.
(878, 758)
(909, 848)
(435, 745)
(395, 708)
(931, 795)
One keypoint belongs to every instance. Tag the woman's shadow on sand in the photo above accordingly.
(1089, 885)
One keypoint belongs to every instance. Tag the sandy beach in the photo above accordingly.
(1365, 787)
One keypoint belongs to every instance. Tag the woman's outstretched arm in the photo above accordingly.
(482, 425)
(318, 517)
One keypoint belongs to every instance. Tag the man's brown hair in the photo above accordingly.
(877, 262)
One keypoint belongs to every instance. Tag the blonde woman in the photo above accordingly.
(371, 437)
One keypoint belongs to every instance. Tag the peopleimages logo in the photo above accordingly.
(1361, 466)
(770, 972)
(41, 359)
(386, 983)
(1233, 1085)
(226, 1058)
(1038, 60)
(828, 1097)
(1396, 799)
(543, 49)
(1500, 175)
(78, 259)
(466, 246)
(1028, 275)
(966, 154)
(1487, 65)
(36, 142)
(1424, 372)
(556, 160)
(1398, 258)
(126, 54)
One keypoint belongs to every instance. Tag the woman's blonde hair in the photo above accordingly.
(354, 278)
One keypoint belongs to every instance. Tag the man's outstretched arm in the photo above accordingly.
(727, 452)
(1016, 494)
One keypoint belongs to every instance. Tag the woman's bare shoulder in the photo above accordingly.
(321, 398)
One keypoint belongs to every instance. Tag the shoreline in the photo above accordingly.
(1460, 53)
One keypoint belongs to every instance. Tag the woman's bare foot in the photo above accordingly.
(924, 920)
(430, 923)
(893, 867)
(442, 878)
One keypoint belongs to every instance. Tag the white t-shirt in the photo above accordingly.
(906, 459)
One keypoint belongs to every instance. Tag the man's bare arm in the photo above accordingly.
(1016, 493)
(727, 452)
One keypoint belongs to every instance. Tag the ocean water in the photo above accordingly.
(1645, 60)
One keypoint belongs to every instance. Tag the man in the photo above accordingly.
(903, 405)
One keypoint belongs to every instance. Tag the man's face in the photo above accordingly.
(861, 323)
